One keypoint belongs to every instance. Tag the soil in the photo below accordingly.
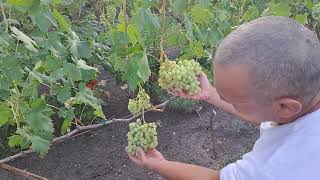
(212, 141)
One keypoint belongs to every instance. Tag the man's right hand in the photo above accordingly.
(207, 93)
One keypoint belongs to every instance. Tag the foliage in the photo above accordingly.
(49, 49)
(43, 72)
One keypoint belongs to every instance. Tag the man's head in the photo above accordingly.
(269, 69)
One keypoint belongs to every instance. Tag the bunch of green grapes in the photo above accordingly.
(140, 103)
(180, 76)
(141, 135)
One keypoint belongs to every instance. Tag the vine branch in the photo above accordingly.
(162, 27)
(21, 172)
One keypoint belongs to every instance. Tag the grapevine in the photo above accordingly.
(141, 135)
(140, 103)
(180, 76)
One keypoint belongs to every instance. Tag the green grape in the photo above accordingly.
(141, 135)
(180, 75)
(140, 103)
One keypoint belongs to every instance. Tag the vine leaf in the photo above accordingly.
(29, 43)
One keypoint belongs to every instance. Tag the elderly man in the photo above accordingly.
(267, 72)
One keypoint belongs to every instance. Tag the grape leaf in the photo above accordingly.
(72, 71)
(24, 3)
(83, 65)
(309, 4)
(302, 18)
(281, 10)
(31, 90)
(80, 49)
(5, 114)
(64, 93)
(144, 19)
(39, 116)
(40, 145)
(215, 37)
(15, 140)
(61, 20)
(29, 43)
(66, 113)
(66, 126)
(179, 5)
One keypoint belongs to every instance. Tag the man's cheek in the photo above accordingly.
(246, 110)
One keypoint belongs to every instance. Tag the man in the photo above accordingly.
(267, 72)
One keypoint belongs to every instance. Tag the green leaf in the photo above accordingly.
(29, 43)
(81, 64)
(5, 114)
(58, 74)
(64, 93)
(251, 14)
(51, 64)
(38, 76)
(40, 145)
(66, 126)
(87, 98)
(10, 67)
(146, 20)
(189, 27)
(201, 15)
(72, 71)
(302, 18)
(80, 49)
(66, 113)
(39, 116)
(132, 32)
(99, 112)
(309, 4)
(24, 3)
(62, 22)
(143, 70)
(215, 37)
(15, 140)
(281, 10)
(88, 75)
(179, 5)
(204, 3)
(31, 90)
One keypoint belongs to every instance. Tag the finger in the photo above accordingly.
(135, 160)
(142, 155)
(181, 93)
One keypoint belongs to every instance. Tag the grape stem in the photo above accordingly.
(162, 25)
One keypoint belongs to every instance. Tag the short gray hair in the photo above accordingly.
(283, 57)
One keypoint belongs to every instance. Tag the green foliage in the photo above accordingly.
(42, 73)
(48, 49)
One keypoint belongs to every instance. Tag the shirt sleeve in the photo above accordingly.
(244, 169)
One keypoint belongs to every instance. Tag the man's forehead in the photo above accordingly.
(233, 82)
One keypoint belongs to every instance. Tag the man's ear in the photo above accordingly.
(287, 108)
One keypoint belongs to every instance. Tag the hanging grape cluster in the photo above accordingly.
(180, 76)
(141, 135)
(140, 103)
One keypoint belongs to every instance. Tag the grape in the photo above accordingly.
(180, 75)
(140, 103)
(141, 135)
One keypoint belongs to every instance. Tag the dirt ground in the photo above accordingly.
(212, 141)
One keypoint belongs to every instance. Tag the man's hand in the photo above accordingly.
(207, 93)
(147, 160)
(154, 161)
